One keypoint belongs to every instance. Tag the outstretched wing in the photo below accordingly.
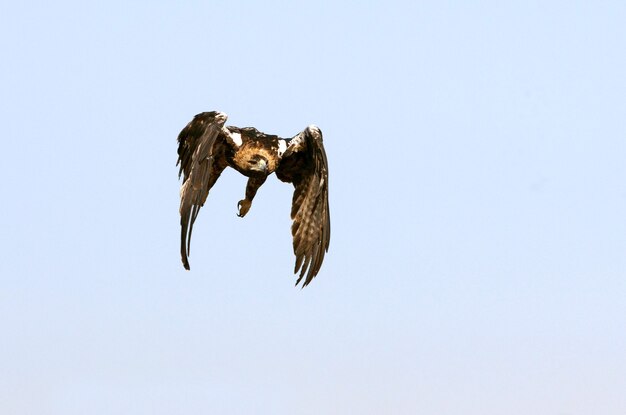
(304, 163)
(201, 159)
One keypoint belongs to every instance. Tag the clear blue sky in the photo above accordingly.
(478, 198)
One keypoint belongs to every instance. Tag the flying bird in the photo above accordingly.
(206, 147)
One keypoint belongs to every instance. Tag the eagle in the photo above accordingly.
(206, 147)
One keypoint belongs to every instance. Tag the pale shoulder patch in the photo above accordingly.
(236, 137)
(282, 146)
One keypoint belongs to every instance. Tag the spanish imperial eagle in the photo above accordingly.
(206, 147)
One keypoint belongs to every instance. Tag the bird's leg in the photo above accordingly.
(253, 185)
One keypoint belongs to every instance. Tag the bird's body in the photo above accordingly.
(207, 147)
(252, 144)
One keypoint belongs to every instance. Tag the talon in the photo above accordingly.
(244, 207)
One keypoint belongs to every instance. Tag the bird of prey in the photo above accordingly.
(206, 147)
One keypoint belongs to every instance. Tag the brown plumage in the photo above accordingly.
(206, 147)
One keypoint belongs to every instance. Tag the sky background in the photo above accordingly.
(477, 191)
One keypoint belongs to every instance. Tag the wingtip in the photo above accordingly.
(185, 263)
(309, 273)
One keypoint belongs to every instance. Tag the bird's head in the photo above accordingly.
(258, 164)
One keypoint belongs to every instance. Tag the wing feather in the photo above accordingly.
(200, 155)
(309, 210)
